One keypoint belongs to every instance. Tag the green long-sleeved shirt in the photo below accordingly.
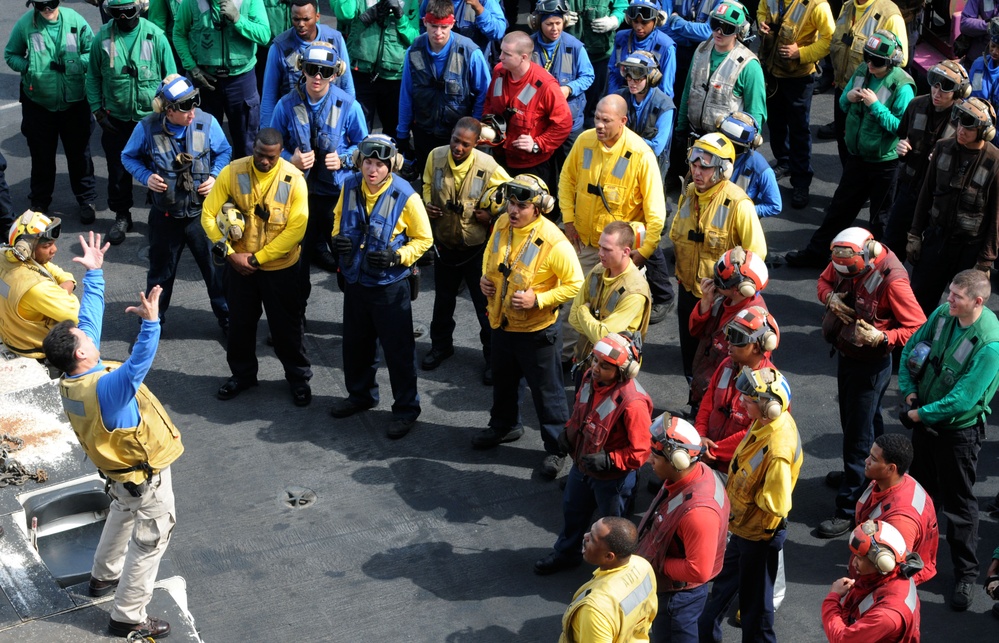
(125, 96)
(750, 87)
(252, 25)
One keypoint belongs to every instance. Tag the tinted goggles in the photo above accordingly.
(737, 337)
(124, 13)
(635, 73)
(49, 5)
(520, 193)
(186, 105)
(726, 28)
(641, 12)
(875, 61)
(550, 6)
(376, 149)
(941, 82)
(966, 120)
(314, 69)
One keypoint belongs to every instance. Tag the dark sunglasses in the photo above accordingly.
(737, 338)
(313, 69)
(941, 82)
(376, 149)
(187, 104)
(726, 28)
(48, 5)
(875, 61)
(639, 12)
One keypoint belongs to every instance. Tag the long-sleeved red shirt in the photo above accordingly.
(882, 621)
(629, 443)
(545, 117)
(699, 534)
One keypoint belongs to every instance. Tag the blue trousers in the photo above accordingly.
(383, 315)
(167, 238)
(676, 621)
(790, 138)
(861, 386)
(535, 357)
(749, 570)
(237, 99)
(582, 496)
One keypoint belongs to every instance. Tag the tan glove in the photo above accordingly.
(834, 304)
(913, 247)
(866, 335)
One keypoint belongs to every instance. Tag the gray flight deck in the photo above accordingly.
(293, 526)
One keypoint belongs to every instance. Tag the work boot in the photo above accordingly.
(122, 224)
(88, 213)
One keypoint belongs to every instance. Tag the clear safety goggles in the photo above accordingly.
(635, 73)
(706, 158)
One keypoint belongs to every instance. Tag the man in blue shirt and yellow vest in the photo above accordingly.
(381, 229)
(270, 199)
(127, 434)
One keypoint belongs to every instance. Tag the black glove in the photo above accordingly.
(369, 16)
(563, 442)
(597, 462)
(393, 7)
(342, 244)
(102, 120)
(54, 66)
(383, 258)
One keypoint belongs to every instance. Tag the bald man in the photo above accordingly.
(612, 174)
(537, 115)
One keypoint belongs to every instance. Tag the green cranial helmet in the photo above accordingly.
(112, 4)
(884, 44)
(731, 12)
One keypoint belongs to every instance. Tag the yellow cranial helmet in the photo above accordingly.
(231, 222)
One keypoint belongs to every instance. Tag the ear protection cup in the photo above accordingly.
(989, 132)
(769, 341)
(546, 202)
(880, 543)
(661, 19)
(883, 560)
(23, 248)
(873, 249)
(339, 67)
(655, 77)
(532, 22)
(623, 350)
(680, 458)
(725, 171)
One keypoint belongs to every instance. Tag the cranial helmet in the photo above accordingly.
(742, 129)
(733, 13)
(753, 325)
(741, 269)
(381, 147)
(951, 77)
(622, 351)
(880, 543)
(975, 112)
(231, 222)
(854, 251)
(676, 440)
(714, 150)
(884, 44)
(642, 63)
(30, 228)
(768, 387)
(529, 188)
(322, 54)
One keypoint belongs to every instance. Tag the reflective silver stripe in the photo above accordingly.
(883, 94)
(948, 130)
(685, 208)
(876, 513)
(919, 499)
(594, 282)
(245, 186)
(301, 114)
(725, 378)
(584, 393)
(980, 176)
(351, 201)
(773, 6)
(939, 329)
(202, 6)
(919, 122)
(721, 216)
(728, 71)
(162, 143)
(797, 450)
(71, 43)
(529, 255)
(527, 94)
(637, 595)
(334, 116)
(198, 140)
(911, 598)
(988, 6)
(798, 13)
(456, 64)
(566, 63)
(674, 502)
(719, 496)
(282, 192)
(963, 350)
(4, 289)
(73, 407)
(587, 158)
(476, 188)
(292, 59)
(439, 180)
(639, 387)
(496, 242)
(469, 14)
(976, 82)
(872, 282)
(388, 207)
(867, 494)
(742, 182)
(146, 50)
(37, 42)
(756, 460)
(620, 167)
(498, 87)
(612, 302)
(858, 82)
(944, 162)
(869, 26)
(416, 60)
(866, 604)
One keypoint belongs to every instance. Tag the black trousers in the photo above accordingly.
(237, 99)
(6, 205)
(790, 138)
(119, 180)
(276, 293)
(941, 258)
(452, 269)
(317, 232)
(657, 274)
(43, 130)
(685, 303)
(381, 97)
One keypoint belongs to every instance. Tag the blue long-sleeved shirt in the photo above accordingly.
(682, 27)
(477, 68)
(139, 164)
(491, 23)
(355, 130)
(625, 43)
(275, 69)
(762, 186)
(664, 124)
(116, 390)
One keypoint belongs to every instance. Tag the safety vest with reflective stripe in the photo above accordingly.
(438, 103)
(589, 427)
(660, 524)
(217, 43)
(126, 96)
(289, 46)
(522, 266)
(370, 232)
(922, 138)
(787, 31)
(960, 198)
(452, 229)
(897, 594)
(712, 96)
(748, 471)
(155, 441)
(603, 298)
(320, 131)
(907, 498)
(849, 37)
(258, 233)
(625, 596)
(51, 89)
(163, 149)
(949, 359)
(865, 136)
(712, 346)
(661, 47)
(564, 67)
(23, 336)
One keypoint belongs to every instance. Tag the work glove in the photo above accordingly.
(992, 587)
(866, 335)
(229, 10)
(383, 259)
(342, 244)
(569, 19)
(406, 147)
(597, 462)
(836, 306)
(203, 79)
(564, 444)
(102, 119)
(913, 247)
(370, 15)
(605, 24)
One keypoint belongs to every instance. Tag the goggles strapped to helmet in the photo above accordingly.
(738, 338)
(643, 12)
(549, 7)
(706, 158)
(378, 148)
(520, 193)
(939, 79)
(46, 5)
(35, 225)
(127, 12)
(726, 28)
(312, 69)
(185, 105)
(638, 65)
(875, 61)
(970, 116)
